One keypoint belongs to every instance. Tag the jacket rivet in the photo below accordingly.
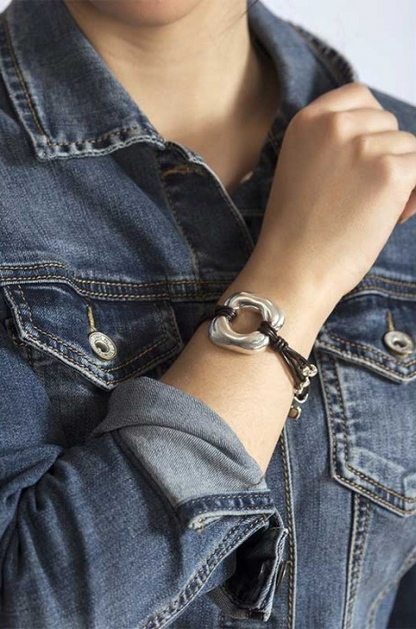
(398, 343)
(102, 345)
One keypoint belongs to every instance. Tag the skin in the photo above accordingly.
(344, 178)
(197, 56)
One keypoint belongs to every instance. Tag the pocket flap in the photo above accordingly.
(356, 331)
(55, 318)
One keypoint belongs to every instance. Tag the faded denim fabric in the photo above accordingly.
(125, 502)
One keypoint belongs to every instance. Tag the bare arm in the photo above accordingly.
(329, 215)
(252, 393)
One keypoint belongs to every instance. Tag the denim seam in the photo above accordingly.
(202, 296)
(82, 354)
(85, 368)
(32, 107)
(369, 361)
(344, 422)
(52, 265)
(200, 521)
(381, 289)
(107, 283)
(291, 561)
(86, 291)
(97, 139)
(369, 348)
(264, 494)
(20, 76)
(377, 601)
(33, 266)
(324, 60)
(95, 152)
(130, 296)
(326, 51)
(198, 580)
(389, 280)
(342, 479)
(357, 554)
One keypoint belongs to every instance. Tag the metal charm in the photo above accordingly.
(221, 332)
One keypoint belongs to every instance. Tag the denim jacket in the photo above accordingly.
(126, 502)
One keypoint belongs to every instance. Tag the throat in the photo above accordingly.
(232, 147)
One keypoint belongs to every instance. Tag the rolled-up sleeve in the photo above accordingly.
(130, 527)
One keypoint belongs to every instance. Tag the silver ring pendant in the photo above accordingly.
(222, 334)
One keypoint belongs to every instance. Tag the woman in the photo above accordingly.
(157, 158)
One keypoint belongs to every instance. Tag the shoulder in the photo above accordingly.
(342, 70)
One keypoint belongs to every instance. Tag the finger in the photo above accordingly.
(386, 142)
(349, 96)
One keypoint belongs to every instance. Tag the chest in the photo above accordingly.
(137, 249)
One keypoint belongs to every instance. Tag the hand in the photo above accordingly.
(344, 177)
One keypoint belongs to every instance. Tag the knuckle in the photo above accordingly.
(302, 117)
(365, 93)
(359, 86)
(390, 169)
(340, 124)
(411, 138)
(300, 124)
(393, 119)
(362, 144)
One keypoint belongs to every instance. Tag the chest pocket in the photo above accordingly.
(370, 396)
(131, 336)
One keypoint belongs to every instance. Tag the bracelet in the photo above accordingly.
(221, 333)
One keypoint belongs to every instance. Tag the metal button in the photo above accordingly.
(102, 345)
(399, 343)
(281, 575)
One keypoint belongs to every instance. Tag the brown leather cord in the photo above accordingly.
(296, 363)
(218, 311)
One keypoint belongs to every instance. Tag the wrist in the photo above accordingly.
(304, 312)
(289, 278)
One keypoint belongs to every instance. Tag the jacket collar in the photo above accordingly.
(71, 105)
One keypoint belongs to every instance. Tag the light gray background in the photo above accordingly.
(377, 36)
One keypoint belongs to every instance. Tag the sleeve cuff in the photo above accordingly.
(203, 469)
(192, 454)
(249, 593)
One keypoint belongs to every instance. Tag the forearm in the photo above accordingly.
(252, 393)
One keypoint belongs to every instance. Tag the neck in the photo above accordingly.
(190, 74)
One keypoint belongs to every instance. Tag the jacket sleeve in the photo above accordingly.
(130, 527)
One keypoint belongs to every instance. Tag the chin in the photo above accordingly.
(147, 12)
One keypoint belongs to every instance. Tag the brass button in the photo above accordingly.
(102, 345)
(399, 343)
